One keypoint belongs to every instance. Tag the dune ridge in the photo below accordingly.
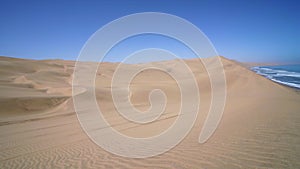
(39, 128)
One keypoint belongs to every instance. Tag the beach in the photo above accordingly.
(39, 128)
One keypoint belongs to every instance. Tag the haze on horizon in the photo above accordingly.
(256, 31)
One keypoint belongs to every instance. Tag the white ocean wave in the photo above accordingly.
(287, 83)
(274, 74)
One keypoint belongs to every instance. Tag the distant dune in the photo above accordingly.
(260, 127)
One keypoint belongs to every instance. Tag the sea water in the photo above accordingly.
(284, 74)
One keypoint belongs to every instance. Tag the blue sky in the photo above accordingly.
(260, 31)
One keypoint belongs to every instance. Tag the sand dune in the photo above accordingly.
(39, 128)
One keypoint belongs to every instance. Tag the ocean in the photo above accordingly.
(284, 74)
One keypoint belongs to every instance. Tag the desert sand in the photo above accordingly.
(39, 128)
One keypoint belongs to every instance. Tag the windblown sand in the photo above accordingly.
(39, 128)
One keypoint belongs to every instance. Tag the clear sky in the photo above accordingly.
(242, 30)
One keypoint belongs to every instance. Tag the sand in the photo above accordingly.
(39, 127)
